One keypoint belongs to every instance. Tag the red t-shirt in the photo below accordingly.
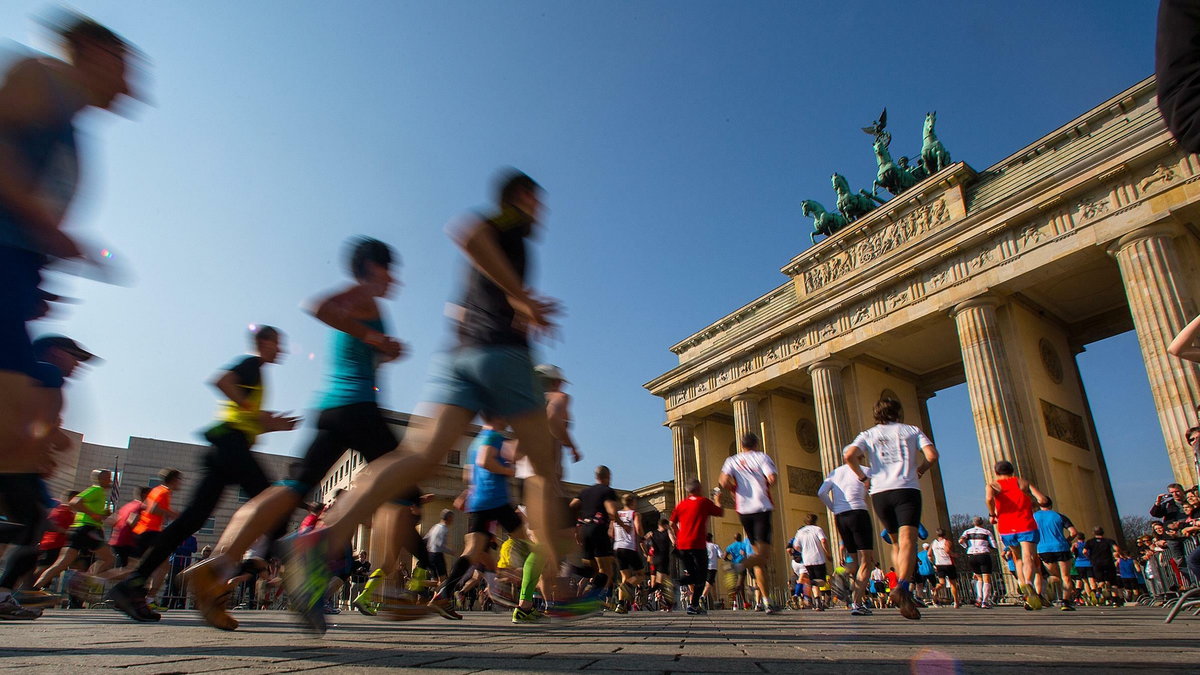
(122, 534)
(893, 579)
(692, 517)
(62, 516)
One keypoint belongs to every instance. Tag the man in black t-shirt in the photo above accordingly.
(1102, 553)
(597, 507)
(661, 542)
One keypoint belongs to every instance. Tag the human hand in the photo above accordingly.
(387, 346)
(536, 313)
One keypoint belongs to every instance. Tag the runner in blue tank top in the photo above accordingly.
(1055, 550)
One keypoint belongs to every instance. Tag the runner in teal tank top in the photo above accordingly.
(353, 364)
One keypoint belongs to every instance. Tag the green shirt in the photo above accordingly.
(93, 500)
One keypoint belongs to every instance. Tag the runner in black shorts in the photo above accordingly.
(660, 543)
(751, 475)
(846, 497)
(598, 507)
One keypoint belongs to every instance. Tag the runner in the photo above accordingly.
(943, 564)
(348, 417)
(1010, 503)
(435, 542)
(626, 536)
(689, 521)
(927, 574)
(846, 497)
(87, 532)
(229, 461)
(662, 543)
(58, 523)
(980, 543)
(597, 506)
(490, 369)
(714, 553)
(750, 475)
(813, 546)
(123, 542)
(736, 553)
(1055, 550)
(558, 412)
(1103, 552)
(898, 454)
(148, 530)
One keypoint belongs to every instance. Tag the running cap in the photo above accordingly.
(48, 342)
(549, 372)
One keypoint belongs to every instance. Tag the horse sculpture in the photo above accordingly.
(824, 222)
(891, 177)
(852, 205)
(932, 151)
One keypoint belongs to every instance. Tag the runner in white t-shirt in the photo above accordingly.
(813, 546)
(751, 475)
(943, 564)
(846, 497)
(898, 455)
(715, 553)
(625, 548)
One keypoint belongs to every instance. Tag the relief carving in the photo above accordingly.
(1031, 234)
(803, 481)
(1162, 173)
(1091, 209)
(1064, 425)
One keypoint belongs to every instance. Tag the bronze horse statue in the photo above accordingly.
(824, 222)
(852, 205)
(933, 153)
(891, 177)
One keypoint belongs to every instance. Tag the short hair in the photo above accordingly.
(693, 485)
(1177, 486)
(168, 475)
(1004, 468)
(1190, 431)
(738, 536)
(709, 536)
(511, 182)
(80, 30)
(1097, 530)
(749, 440)
(364, 250)
(447, 514)
(941, 532)
(262, 333)
(629, 499)
(978, 521)
(603, 472)
(142, 492)
(96, 473)
(72, 494)
(888, 410)
(811, 519)
(1046, 503)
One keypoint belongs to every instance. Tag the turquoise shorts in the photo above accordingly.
(499, 380)
(1031, 536)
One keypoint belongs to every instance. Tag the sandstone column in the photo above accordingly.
(1161, 306)
(745, 415)
(833, 424)
(935, 474)
(993, 397)
(684, 441)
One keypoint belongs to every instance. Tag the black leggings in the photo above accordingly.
(228, 462)
(695, 571)
(358, 426)
(21, 494)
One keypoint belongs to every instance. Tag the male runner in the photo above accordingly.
(597, 506)
(750, 475)
(348, 418)
(123, 542)
(626, 536)
(689, 521)
(87, 532)
(1055, 550)
(736, 553)
(58, 523)
(558, 409)
(943, 564)
(846, 496)
(490, 369)
(1103, 553)
(662, 543)
(149, 527)
(1010, 503)
(898, 454)
(979, 544)
(926, 572)
(714, 553)
(435, 542)
(813, 547)
(229, 461)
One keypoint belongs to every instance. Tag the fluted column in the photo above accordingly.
(745, 415)
(833, 423)
(683, 441)
(993, 397)
(940, 505)
(1161, 307)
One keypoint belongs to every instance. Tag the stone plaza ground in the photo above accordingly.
(1129, 639)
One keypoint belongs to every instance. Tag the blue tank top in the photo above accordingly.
(352, 367)
(488, 490)
(1125, 568)
(1081, 560)
(923, 564)
(50, 156)
(1050, 531)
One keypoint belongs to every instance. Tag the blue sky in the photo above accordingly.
(675, 142)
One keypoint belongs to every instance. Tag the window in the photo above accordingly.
(210, 527)
(153, 482)
(454, 458)
(242, 497)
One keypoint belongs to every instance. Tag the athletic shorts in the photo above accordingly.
(878, 587)
(1015, 539)
(481, 521)
(757, 526)
(595, 540)
(628, 559)
(856, 530)
(145, 542)
(498, 379)
(981, 563)
(898, 508)
(661, 564)
(49, 556)
(1051, 557)
(1084, 572)
(20, 275)
(947, 572)
(1104, 573)
(712, 577)
(437, 564)
(1129, 584)
(85, 538)
(358, 426)
(816, 572)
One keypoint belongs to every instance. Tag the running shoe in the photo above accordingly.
(419, 580)
(37, 598)
(903, 599)
(306, 576)
(1032, 599)
(131, 600)
(444, 607)
(154, 606)
(206, 580)
(585, 605)
(859, 610)
(11, 610)
(365, 606)
(330, 609)
(527, 616)
(770, 609)
(694, 611)
(1068, 607)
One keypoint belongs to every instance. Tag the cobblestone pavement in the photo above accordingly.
(968, 640)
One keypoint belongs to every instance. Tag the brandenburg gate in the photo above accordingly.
(995, 278)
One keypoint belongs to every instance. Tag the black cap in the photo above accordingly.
(47, 342)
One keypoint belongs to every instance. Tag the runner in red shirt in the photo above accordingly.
(123, 541)
(1010, 503)
(690, 519)
(60, 517)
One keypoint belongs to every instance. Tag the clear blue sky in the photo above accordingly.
(675, 141)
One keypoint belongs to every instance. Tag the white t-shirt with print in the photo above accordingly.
(750, 469)
(810, 541)
(714, 555)
(941, 552)
(894, 452)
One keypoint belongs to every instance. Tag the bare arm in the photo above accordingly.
(337, 312)
(1037, 494)
(852, 454)
(990, 498)
(559, 415)
(612, 508)
(488, 460)
(930, 456)
(1184, 345)
(478, 242)
(76, 504)
(727, 482)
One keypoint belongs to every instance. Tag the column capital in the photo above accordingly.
(1166, 228)
(985, 300)
(829, 363)
(925, 394)
(748, 395)
(682, 423)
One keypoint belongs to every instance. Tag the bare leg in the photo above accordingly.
(68, 556)
(257, 517)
